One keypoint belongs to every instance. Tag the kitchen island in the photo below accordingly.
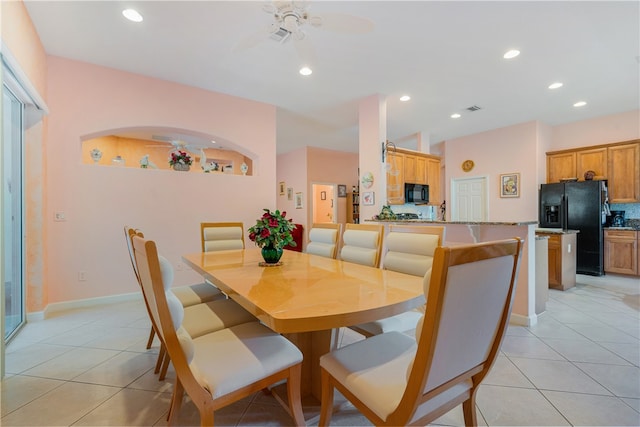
(456, 232)
(562, 257)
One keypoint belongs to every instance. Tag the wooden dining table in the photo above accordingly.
(308, 298)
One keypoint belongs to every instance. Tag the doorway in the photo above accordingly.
(470, 199)
(324, 206)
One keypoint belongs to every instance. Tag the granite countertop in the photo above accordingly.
(426, 221)
(623, 228)
(555, 231)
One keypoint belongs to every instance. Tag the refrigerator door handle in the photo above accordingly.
(565, 213)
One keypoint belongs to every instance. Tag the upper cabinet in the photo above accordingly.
(405, 166)
(617, 163)
(624, 173)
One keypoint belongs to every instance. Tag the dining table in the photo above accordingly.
(308, 298)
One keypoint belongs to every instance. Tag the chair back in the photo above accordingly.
(324, 239)
(410, 249)
(362, 244)
(221, 236)
(469, 300)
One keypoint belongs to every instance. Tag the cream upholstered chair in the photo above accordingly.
(395, 380)
(188, 295)
(199, 319)
(222, 367)
(362, 244)
(410, 250)
(221, 236)
(324, 239)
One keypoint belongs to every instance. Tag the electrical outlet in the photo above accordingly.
(59, 216)
(82, 276)
(569, 248)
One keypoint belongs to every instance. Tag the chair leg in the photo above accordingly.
(176, 402)
(165, 366)
(326, 403)
(152, 334)
(469, 409)
(293, 392)
(161, 354)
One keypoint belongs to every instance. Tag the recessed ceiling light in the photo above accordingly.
(132, 15)
(405, 98)
(511, 54)
(580, 104)
(455, 116)
(306, 71)
(555, 85)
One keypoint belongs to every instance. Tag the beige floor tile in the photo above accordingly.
(528, 347)
(628, 351)
(62, 406)
(505, 373)
(548, 327)
(584, 351)
(509, 406)
(32, 355)
(622, 381)
(129, 408)
(590, 410)
(633, 403)
(121, 370)
(603, 333)
(558, 375)
(150, 382)
(71, 364)
(20, 390)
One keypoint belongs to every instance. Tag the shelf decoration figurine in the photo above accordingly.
(244, 168)
(207, 167)
(145, 163)
(272, 232)
(96, 155)
(180, 160)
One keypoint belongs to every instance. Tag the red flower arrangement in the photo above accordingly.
(272, 230)
(180, 157)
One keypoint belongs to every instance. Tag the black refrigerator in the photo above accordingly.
(577, 206)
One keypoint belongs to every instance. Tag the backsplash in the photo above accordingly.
(631, 213)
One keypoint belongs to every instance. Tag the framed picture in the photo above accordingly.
(510, 185)
(368, 198)
(282, 186)
(298, 200)
(290, 193)
(342, 190)
(323, 195)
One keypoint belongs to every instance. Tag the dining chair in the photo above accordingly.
(394, 379)
(221, 367)
(199, 319)
(324, 238)
(188, 295)
(410, 250)
(362, 244)
(221, 236)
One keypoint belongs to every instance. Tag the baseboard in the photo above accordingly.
(81, 303)
(520, 320)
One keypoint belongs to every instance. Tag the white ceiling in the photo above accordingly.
(446, 55)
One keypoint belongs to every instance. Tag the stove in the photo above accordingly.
(405, 216)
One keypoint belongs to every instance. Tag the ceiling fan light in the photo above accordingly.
(555, 85)
(132, 15)
(306, 71)
(511, 54)
(455, 116)
(580, 104)
(405, 98)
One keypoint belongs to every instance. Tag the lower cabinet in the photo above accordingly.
(562, 260)
(621, 251)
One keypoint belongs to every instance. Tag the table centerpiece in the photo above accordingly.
(272, 232)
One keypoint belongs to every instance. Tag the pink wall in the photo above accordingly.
(499, 151)
(601, 130)
(167, 205)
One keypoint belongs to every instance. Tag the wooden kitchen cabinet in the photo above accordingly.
(621, 251)
(562, 259)
(560, 166)
(433, 180)
(395, 178)
(624, 173)
(592, 160)
(415, 169)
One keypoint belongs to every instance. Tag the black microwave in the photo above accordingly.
(416, 193)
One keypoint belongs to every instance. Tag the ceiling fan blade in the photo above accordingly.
(305, 50)
(342, 23)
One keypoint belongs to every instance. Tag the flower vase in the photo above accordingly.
(181, 167)
(271, 255)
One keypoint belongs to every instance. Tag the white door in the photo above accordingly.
(469, 196)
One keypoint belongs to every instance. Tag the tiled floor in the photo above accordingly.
(578, 366)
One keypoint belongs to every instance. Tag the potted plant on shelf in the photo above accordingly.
(272, 233)
(180, 160)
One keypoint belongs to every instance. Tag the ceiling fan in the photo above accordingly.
(291, 18)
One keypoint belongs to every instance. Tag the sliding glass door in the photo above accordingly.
(12, 223)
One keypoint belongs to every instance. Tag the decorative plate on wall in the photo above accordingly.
(367, 180)
(467, 165)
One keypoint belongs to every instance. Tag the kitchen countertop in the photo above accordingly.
(555, 231)
(622, 228)
(426, 221)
